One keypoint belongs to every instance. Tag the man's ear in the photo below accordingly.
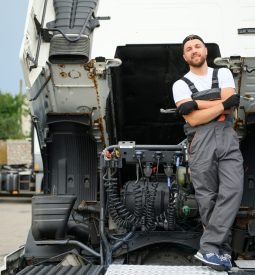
(206, 51)
(184, 57)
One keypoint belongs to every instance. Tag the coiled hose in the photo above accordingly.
(119, 213)
(143, 216)
(149, 207)
(167, 219)
(138, 202)
(171, 209)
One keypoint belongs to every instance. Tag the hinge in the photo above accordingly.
(46, 36)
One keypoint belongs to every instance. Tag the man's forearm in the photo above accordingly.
(205, 104)
(199, 117)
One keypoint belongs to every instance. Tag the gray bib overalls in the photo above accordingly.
(216, 165)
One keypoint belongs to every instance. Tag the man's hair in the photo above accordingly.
(191, 37)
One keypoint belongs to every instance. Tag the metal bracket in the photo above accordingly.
(46, 36)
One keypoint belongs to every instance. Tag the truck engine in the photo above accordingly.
(117, 184)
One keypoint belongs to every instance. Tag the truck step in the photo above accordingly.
(246, 264)
(160, 270)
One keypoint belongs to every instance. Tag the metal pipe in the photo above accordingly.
(102, 217)
(152, 147)
(65, 242)
(120, 243)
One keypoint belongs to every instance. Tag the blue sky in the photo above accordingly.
(12, 23)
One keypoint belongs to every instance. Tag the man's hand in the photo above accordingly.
(232, 101)
(187, 107)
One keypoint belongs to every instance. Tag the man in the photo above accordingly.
(206, 97)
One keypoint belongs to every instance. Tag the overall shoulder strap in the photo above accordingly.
(190, 84)
(215, 81)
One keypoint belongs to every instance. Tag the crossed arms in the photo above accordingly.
(207, 109)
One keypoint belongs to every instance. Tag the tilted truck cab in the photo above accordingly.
(118, 196)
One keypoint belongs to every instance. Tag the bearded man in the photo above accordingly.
(205, 97)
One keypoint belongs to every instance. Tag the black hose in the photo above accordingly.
(171, 209)
(41, 89)
(138, 211)
(150, 219)
(119, 213)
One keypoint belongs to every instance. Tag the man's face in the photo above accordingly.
(195, 53)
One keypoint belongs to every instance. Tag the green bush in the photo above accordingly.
(10, 115)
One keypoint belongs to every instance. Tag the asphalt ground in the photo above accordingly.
(15, 221)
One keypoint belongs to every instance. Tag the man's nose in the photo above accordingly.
(193, 50)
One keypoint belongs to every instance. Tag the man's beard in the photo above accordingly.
(198, 64)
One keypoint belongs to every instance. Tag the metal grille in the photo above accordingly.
(61, 270)
(160, 270)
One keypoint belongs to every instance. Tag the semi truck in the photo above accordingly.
(118, 195)
(16, 167)
(21, 167)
